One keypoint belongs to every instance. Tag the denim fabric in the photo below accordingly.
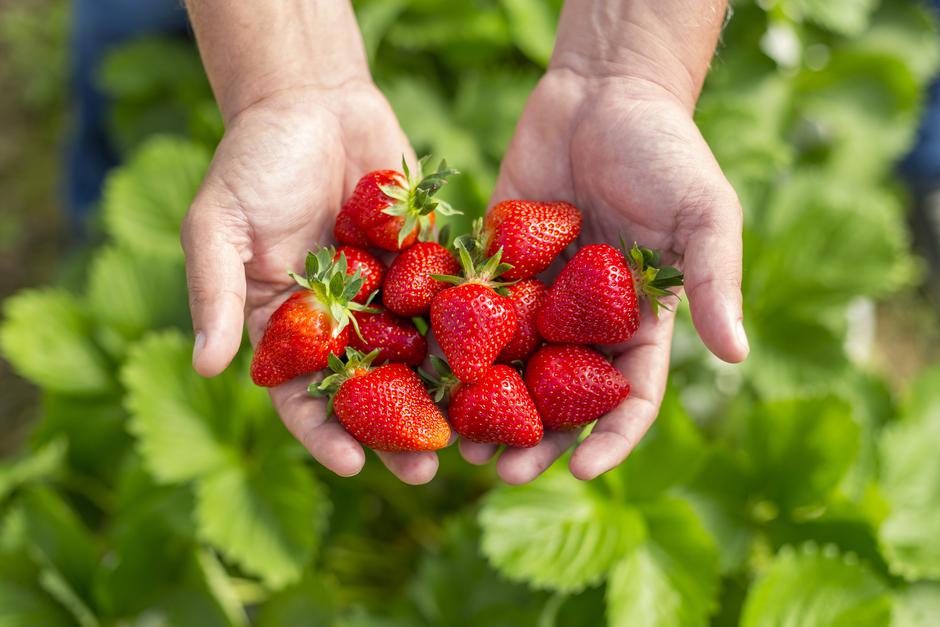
(98, 26)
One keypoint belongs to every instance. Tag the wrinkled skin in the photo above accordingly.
(627, 153)
(275, 184)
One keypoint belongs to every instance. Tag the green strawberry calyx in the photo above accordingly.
(333, 288)
(652, 280)
(356, 365)
(442, 383)
(415, 201)
(476, 267)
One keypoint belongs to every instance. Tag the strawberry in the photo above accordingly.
(386, 408)
(594, 300)
(409, 287)
(396, 339)
(472, 321)
(370, 268)
(346, 231)
(393, 208)
(573, 385)
(310, 325)
(526, 296)
(496, 409)
(531, 234)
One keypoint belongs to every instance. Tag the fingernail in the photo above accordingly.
(198, 345)
(742, 337)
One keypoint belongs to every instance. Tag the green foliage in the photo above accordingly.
(813, 588)
(150, 495)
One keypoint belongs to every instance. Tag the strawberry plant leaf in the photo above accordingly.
(532, 24)
(557, 532)
(814, 588)
(671, 579)
(311, 602)
(267, 517)
(152, 295)
(187, 426)
(146, 199)
(910, 484)
(799, 450)
(845, 17)
(916, 605)
(670, 453)
(37, 465)
(455, 586)
(46, 335)
(21, 604)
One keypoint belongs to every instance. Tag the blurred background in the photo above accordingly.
(801, 488)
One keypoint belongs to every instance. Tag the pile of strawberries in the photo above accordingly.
(518, 354)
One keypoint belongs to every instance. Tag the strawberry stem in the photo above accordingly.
(333, 287)
(652, 280)
(356, 365)
(415, 199)
(442, 384)
(476, 267)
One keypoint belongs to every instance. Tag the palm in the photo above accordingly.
(277, 180)
(636, 165)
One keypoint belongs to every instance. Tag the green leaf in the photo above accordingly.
(557, 532)
(845, 17)
(671, 579)
(374, 19)
(267, 516)
(455, 586)
(46, 335)
(917, 605)
(669, 454)
(178, 417)
(309, 603)
(532, 24)
(145, 199)
(37, 465)
(810, 588)
(46, 527)
(799, 450)
(129, 293)
(910, 485)
(21, 605)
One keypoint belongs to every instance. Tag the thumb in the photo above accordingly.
(712, 267)
(215, 274)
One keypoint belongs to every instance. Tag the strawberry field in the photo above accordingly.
(799, 488)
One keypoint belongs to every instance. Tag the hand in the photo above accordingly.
(627, 153)
(275, 184)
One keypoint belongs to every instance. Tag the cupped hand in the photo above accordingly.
(628, 154)
(272, 192)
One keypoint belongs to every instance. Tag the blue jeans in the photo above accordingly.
(99, 26)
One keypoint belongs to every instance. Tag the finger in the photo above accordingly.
(521, 465)
(712, 266)
(645, 364)
(412, 468)
(326, 440)
(215, 275)
(477, 453)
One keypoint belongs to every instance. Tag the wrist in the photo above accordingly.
(654, 45)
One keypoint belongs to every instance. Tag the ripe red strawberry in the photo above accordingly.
(371, 269)
(594, 299)
(471, 321)
(526, 296)
(393, 208)
(396, 339)
(310, 325)
(386, 408)
(346, 231)
(573, 385)
(530, 234)
(497, 408)
(408, 287)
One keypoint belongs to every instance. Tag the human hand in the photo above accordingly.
(628, 154)
(272, 192)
